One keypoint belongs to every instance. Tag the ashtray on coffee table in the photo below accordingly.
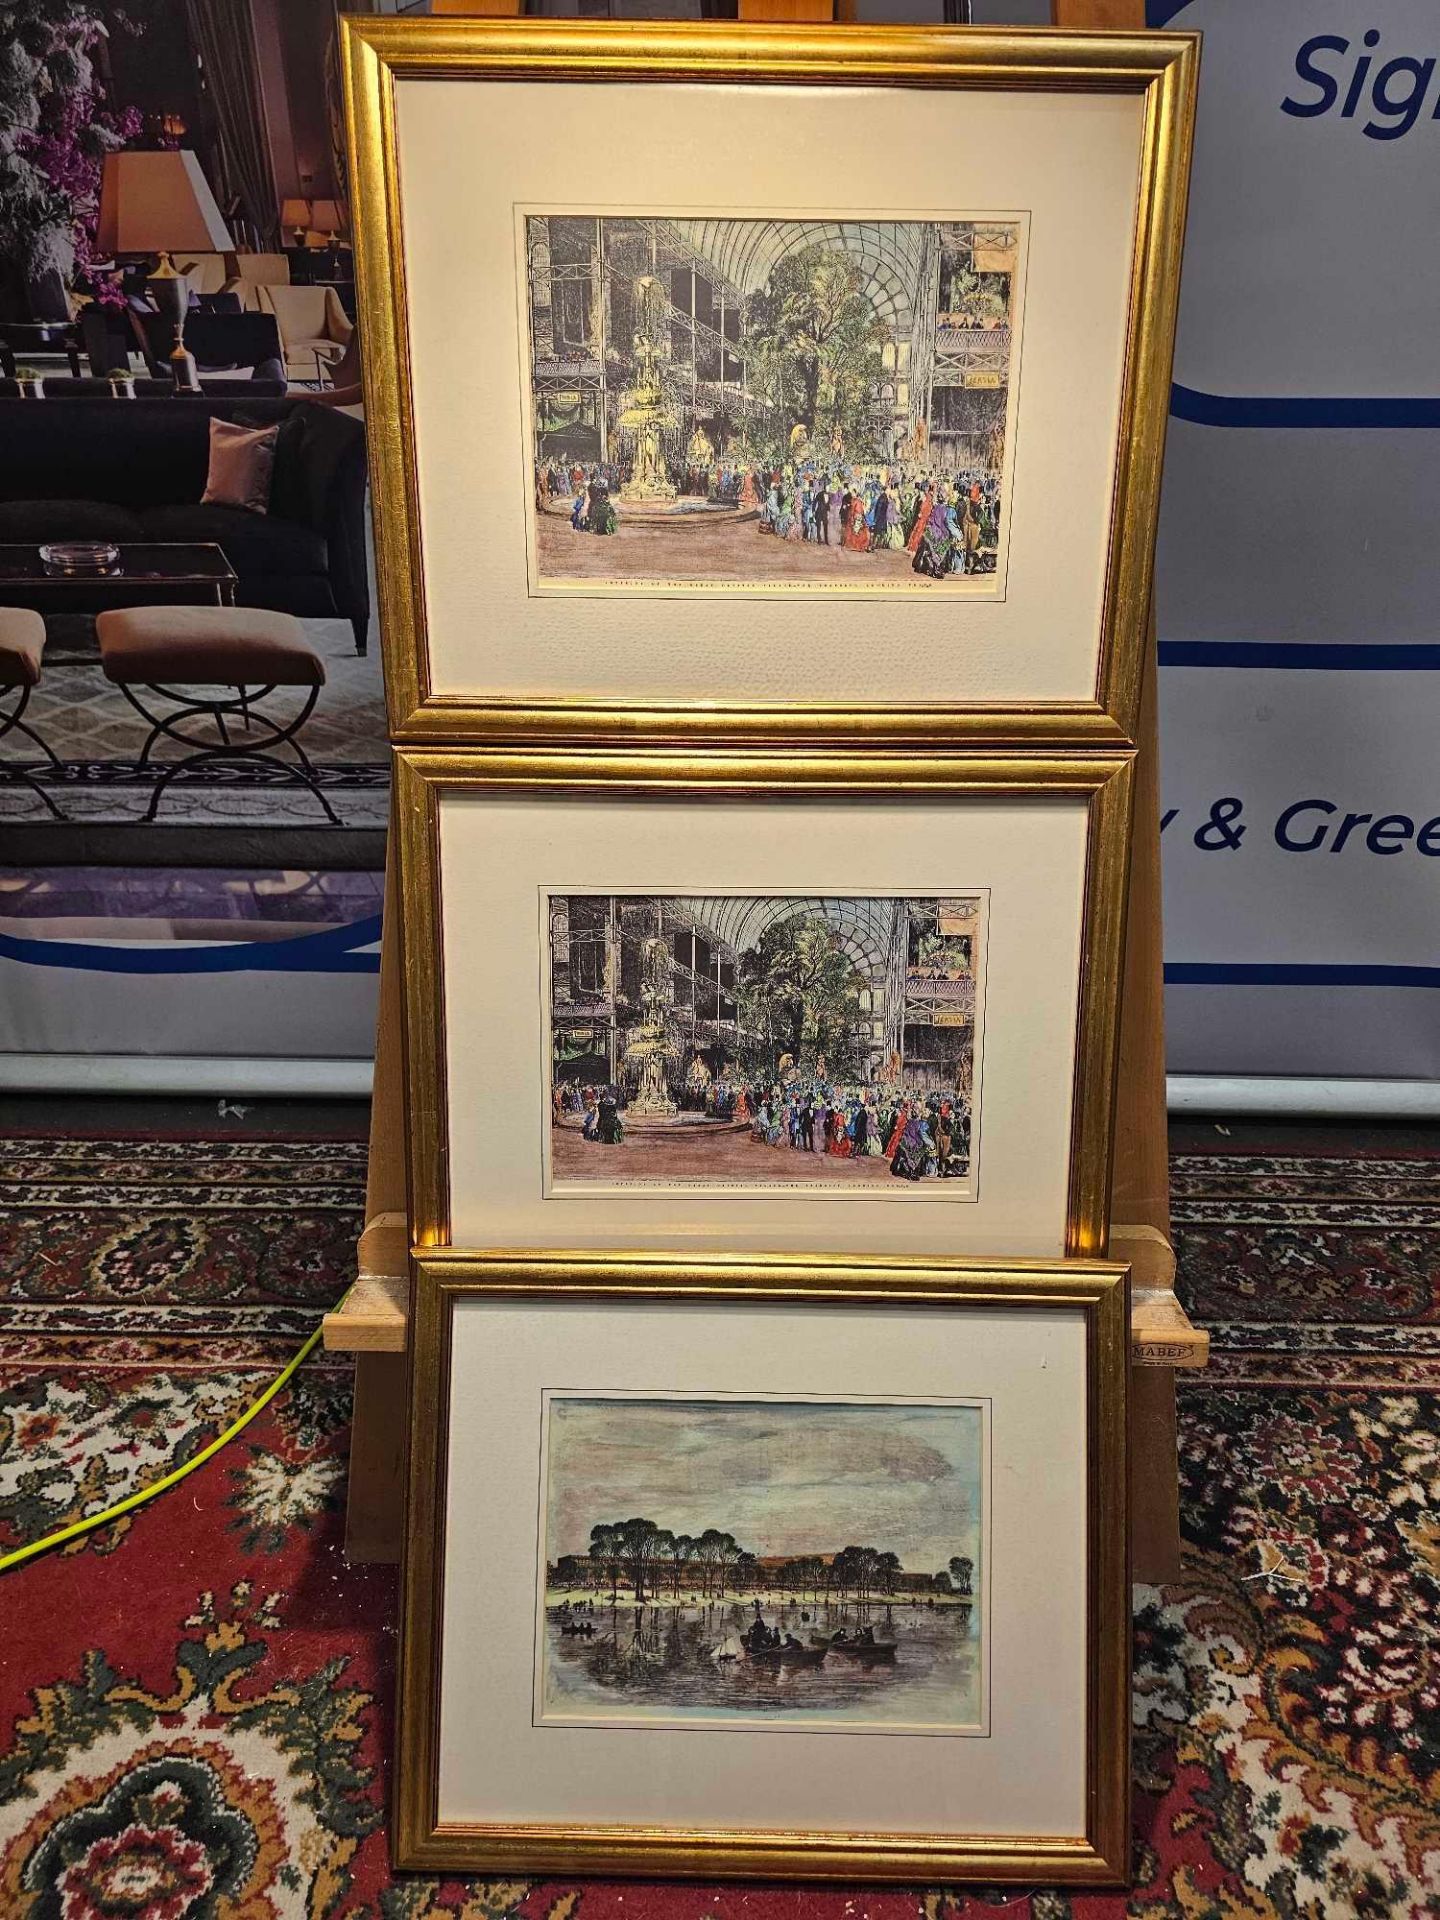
(87, 558)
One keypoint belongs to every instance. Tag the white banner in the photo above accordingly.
(1310, 267)
(294, 1016)
(1302, 879)
(1298, 571)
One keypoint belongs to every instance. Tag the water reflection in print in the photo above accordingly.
(882, 1666)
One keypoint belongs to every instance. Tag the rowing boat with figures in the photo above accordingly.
(790, 1656)
(873, 1652)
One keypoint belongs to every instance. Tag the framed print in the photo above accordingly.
(719, 1001)
(745, 439)
(785, 1568)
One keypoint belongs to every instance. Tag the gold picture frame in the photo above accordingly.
(1159, 68)
(1099, 1856)
(1103, 781)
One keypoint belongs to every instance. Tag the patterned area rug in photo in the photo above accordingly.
(98, 736)
(194, 1703)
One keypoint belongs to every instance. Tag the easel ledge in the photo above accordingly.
(375, 1316)
(373, 1321)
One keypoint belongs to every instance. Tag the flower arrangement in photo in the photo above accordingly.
(55, 130)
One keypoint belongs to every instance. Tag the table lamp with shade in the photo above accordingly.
(295, 214)
(161, 203)
(327, 217)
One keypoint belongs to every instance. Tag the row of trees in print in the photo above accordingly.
(652, 1561)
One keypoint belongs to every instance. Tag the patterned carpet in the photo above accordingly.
(194, 1704)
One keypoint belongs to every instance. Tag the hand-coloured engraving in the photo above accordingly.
(750, 1043)
(816, 405)
(734, 1562)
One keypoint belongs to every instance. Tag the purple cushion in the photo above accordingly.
(241, 462)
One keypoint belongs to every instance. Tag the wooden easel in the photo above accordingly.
(372, 1323)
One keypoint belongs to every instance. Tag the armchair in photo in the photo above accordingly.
(257, 270)
(136, 471)
(208, 273)
(314, 328)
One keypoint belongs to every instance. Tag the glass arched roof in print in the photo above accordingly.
(746, 252)
(866, 927)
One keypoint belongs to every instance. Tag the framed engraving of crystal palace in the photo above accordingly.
(706, 1001)
(743, 438)
(787, 1568)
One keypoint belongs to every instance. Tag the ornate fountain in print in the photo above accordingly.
(646, 414)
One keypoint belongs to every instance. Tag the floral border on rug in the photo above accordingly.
(164, 1760)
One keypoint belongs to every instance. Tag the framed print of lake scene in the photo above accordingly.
(755, 439)
(803, 1563)
(728, 1566)
(785, 405)
(764, 1043)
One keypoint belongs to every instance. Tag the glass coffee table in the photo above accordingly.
(144, 575)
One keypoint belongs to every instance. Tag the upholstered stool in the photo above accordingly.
(178, 658)
(22, 641)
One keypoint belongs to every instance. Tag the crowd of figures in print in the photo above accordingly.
(817, 405)
(758, 1042)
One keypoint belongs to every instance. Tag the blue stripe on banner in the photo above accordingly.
(1184, 973)
(1380, 656)
(328, 952)
(1259, 410)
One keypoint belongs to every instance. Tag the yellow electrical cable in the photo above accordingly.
(171, 1479)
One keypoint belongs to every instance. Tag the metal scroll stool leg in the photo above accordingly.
(22, 645)
(198, 677)
(264, 736)
(14, 722)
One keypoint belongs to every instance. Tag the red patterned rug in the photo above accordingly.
(194, 1703)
